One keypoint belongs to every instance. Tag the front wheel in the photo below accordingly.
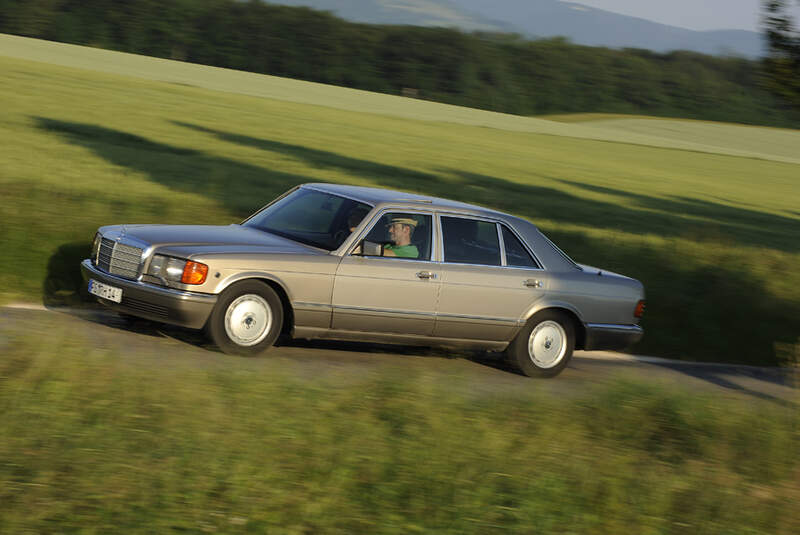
(544, 346)
(247, 318)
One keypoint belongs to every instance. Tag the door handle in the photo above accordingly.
(426, 275)
(533, 283)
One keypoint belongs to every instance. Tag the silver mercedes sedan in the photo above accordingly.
(367, 264)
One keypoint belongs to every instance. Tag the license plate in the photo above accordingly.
(105, 291)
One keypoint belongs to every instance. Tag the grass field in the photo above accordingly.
(713, 236)
(93, 443)
(767, 143)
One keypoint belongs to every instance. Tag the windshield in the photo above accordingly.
(311, 217)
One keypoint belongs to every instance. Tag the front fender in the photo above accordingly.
(238, 276)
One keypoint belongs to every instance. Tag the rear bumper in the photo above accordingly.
(156, 303)
(611, 337)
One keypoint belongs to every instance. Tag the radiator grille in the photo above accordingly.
(119, 259)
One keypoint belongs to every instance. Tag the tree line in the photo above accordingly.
(782, 65)
(498, 72)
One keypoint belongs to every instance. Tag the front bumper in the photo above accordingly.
(611, 337)
(156, 303)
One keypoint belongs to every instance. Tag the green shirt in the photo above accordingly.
(405, 251)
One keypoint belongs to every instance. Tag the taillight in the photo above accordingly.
(639, 311)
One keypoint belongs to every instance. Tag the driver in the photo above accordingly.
(400, 231)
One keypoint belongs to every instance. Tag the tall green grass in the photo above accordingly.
(95, 443)
(713, 237)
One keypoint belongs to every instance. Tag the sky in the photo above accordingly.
(694, 14)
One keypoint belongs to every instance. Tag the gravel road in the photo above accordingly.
(150, 344)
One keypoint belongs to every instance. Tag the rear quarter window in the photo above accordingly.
(516, 254)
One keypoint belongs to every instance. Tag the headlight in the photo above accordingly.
(166, 267)
(178, 270)
(96, 247)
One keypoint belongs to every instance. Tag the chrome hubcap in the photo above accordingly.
(547, 344)
(248, 320)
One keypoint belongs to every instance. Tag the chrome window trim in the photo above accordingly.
(485, 266)
(502, 243)
(503, 259)
(407, 259)
(437, 245)
(440, 252)
(377, 217)
(457, 215)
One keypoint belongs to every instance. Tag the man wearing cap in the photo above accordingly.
(400, 231)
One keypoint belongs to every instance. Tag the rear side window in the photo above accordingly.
(469, 241)
(516, 254)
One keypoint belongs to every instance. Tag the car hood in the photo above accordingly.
(191, 239)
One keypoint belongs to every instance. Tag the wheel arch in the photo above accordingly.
(569, 311)
(273, 282)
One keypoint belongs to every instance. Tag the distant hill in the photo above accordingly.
(543, 18)
(405, 12)
(596, 27)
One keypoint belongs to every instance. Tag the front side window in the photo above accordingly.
(311, 217)
(403, 235)
(470, 241)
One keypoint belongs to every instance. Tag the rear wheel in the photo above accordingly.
(247, 318)
(543, 348)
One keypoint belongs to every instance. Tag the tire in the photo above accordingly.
(247, 318)
(543, 348)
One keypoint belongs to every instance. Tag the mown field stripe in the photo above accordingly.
(273, 87)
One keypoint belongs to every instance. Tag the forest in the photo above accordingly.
(498, 72)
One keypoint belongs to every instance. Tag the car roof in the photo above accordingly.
(375, 196)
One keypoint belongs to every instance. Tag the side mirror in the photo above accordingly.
(368, 248)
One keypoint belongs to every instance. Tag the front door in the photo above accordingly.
(395, 291)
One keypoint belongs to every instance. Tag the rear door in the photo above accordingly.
(489, 280)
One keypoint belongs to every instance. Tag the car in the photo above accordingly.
(368, 264)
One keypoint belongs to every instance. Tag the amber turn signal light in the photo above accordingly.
(639, 312)
(194, 273)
